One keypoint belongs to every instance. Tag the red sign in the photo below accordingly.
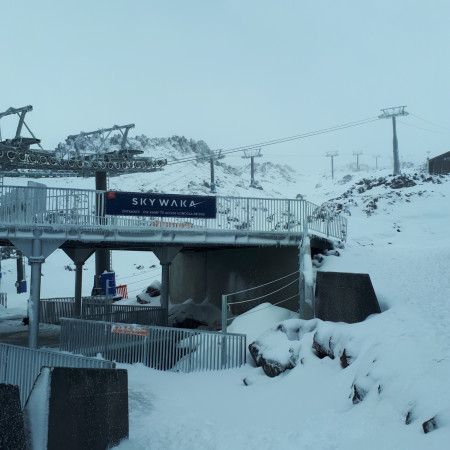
(129, 329)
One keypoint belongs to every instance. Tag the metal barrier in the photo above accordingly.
(52, 309)
(20, 365)
(139, 315)
(162, 348)
(4, 299)
(75, 208)
(100, 308)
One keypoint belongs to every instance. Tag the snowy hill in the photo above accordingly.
(399, 360)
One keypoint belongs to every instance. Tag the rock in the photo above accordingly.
(141, 300)
(409, 417)
(358, 394)
(189, 323)
(430, 425)
(320, 348)
(273, 368)
(344, 359)
(278, 349)
(270, 367)
(254, 350)
(153, 291)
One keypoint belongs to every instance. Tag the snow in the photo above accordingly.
(400, 358)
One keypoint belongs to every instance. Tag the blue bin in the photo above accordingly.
(111, 276)
(23, 286)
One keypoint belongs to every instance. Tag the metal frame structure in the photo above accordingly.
(17, 158)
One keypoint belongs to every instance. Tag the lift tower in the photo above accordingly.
(387, 114)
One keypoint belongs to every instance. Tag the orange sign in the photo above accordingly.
(129, 329)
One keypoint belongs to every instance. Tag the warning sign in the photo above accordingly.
(129, 329)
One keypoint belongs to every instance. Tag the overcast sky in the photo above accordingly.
(233, 72)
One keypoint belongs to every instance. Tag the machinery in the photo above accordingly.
(84, 154)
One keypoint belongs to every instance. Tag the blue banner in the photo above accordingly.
(159, 205)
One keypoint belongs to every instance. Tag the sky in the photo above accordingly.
(233, 73)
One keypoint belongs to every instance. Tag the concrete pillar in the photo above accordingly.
(165, 271)
(79, 256)
(165, 256)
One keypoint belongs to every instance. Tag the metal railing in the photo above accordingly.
(20, 365)
(162, 348)
(283, 290)
(52, 309)
(139, 315)
(4, 299)
(74, 208)
(100, 308)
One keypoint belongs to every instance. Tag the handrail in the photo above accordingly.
(66, 208)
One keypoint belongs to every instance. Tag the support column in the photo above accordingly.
(78, 286)
(397, 170)
(165, 256)
(35, 260)
(36, 250)
(20, 275)
(102, 256)
(79, 256)
(165, 276)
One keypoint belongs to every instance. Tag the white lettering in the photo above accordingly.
(151, 200)
(192, 204)
(183, 203)
(174, 203)
(164, 202)
(135, 201)
(143, 201)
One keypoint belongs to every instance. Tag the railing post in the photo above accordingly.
(248, 213)
(289, 215)
(224, 313)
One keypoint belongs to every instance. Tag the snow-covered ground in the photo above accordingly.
(399, 358)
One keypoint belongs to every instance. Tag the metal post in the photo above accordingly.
(35, 262)
(224, 313)
(301, 282)
(78, 285)
(395, 147)
(248, 214)
(289, 215)
(387, 113)
(332, 155)
(252, 171)
(102, 256)
(165, 271)
(20, 276)
(213, 184)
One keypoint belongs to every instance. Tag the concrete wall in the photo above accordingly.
(211, 273)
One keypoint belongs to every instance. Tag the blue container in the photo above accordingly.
(111, 276)
(23, 286)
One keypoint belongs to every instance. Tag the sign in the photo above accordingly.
(160, 205)
(129, 329)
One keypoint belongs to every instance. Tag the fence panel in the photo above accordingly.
(52, 309)
(139, 315)
(161, 348)
(21, 365)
